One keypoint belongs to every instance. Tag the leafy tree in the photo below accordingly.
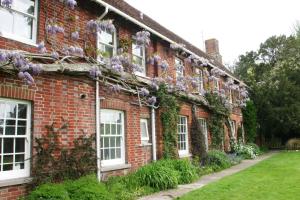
(250, 124)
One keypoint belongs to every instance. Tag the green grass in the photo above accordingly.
(277, 178)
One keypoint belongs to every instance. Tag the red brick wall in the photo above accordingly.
(13, 192)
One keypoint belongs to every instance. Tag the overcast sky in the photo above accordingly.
(239, 25)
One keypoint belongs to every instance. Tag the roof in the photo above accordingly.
(135, 13)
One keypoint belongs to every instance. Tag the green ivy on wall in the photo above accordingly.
(219, 115)
(169, 116)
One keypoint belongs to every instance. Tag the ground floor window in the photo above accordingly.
(182, 130)
(15, 119)
(144, 131)
(203, 124)
(112, 137)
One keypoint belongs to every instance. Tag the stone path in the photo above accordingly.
(204, 180)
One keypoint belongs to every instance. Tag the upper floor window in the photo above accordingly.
(199, 74)
(112, 137)
(144, 131)
(216, 85)
(14, 139)
(138, 57)
(107, 44)
(19, 22)
(179, 66)
(182, 130)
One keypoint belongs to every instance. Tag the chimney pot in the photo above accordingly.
(212, 49)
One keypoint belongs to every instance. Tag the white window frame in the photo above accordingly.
(143, 57)
(183, 152)
(216, 85)
(203, 123)
(114, 46)
(179, 73)
(121, 160)
(199, 74)
(12, 36)
(144, 140)
(230, 96)
(18, 173)
(233, 127)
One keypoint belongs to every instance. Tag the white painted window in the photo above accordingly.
(15, 138)
(203, 124)
(179, 66)
(112, 137)
(138, 57)
(216, 85)
(182, 130)
(19, 22)
(199, 75)
(144, 131)
(233, 127)
(107, 44)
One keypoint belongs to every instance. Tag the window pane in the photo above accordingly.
(113, 129)
(19, 158)
(106, 51)
(11, 122)
(22, 111)
(26, 6)
(22, 123)
(119, 129)
(118, 142)
(8, 145)
(102, 129)
(106, 38)
(107, 129)
(112, 154)
(137, 50)
(10, 130)
(106, 154)
(113, 142)
(7, 167)
(21, 131)
(118, 153)
(20, 145)
(10, 110)
(106, 142)
(23, 26)
(144, 129)
(1, 130)
(19, 166)
(7, 24)
(137, 60)
(7, 159)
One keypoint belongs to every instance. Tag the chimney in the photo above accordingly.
(212, 49)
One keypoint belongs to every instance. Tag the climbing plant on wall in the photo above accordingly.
(169, 116)
(219, 115)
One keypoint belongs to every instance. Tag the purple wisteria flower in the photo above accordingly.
(6, 3)
(71, 4)
(144, 92)
(152, 100)
(55, 55)
(95, 72)
(3, 56)
(142, 38)
(115, 88)
(164, 65)
(53, 29)
(75, 35)
(137, 68)
(95, 26)
(41, 47)
(176, 46)
(116, 64)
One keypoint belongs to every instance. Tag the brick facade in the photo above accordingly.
(57, 97)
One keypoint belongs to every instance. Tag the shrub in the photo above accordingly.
(246, 151)
(87, 188)
(255, 147)
(49, 191)
(234, 159)
(187, 172)
(158, 176)
(217, 160)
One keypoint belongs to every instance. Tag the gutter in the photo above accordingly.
(98, 121)
(121, 13)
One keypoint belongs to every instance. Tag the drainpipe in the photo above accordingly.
(98, 121)
(153, 133)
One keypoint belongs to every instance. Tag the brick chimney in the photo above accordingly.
(212, 49)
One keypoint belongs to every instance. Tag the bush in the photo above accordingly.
(217, 160)
(158, 176)
(187, 172)
(234, 159)
(255, 147)
(49, 191)
(87, 188)
(245, 151)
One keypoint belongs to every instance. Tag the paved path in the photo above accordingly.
(204, 180)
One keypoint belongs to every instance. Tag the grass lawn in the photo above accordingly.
(277, 178)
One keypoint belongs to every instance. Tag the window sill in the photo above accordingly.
(185, 155)
(18, 39)
(145, 144)
(16, 181)
(115, 167)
